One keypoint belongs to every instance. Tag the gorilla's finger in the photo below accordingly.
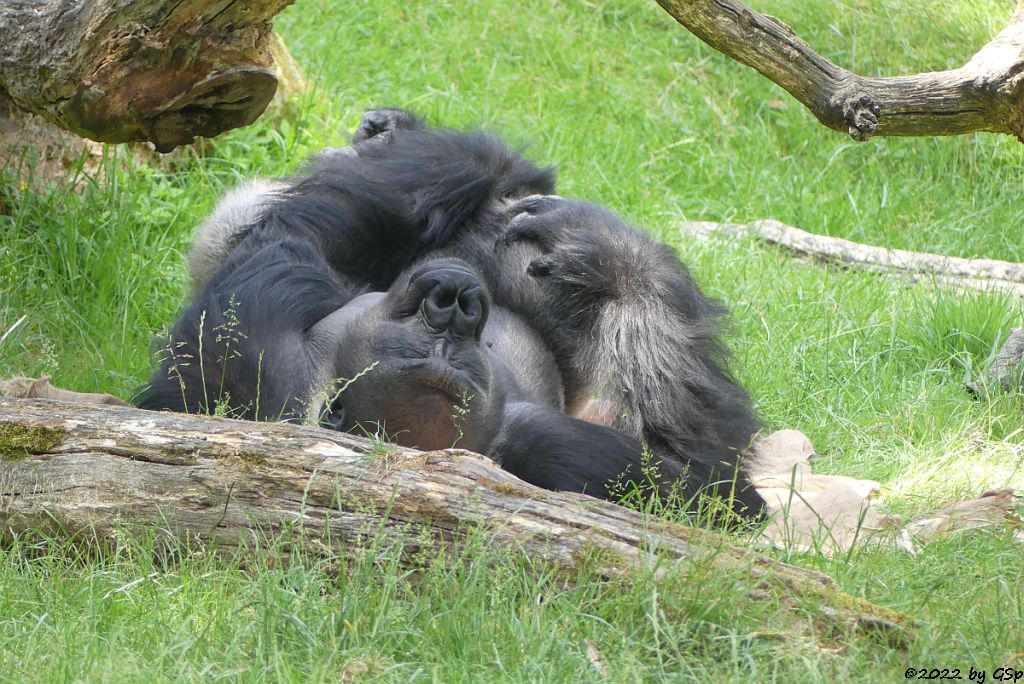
(380, 123)
(525, 231)
(534, 204)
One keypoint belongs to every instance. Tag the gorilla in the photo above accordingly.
(428, 285)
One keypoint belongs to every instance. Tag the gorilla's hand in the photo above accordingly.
(577, 241)
(533, 219)
(378, 124)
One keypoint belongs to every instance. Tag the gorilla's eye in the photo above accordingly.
(334, 417)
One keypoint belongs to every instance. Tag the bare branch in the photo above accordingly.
(976, 274)
(986, 94)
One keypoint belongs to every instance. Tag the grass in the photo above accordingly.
(637, 114)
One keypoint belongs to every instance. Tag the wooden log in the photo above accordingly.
(139, 70)
(976, 274)
(985, 94)
(90, 469)
(1007, 368)
(955, 272)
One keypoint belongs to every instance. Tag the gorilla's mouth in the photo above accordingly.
(438, 374)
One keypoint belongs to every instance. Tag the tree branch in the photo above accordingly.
(1007, 368)
(986, 94)
(91, 469)
(977, 274)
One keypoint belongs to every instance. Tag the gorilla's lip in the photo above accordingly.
(440, 375)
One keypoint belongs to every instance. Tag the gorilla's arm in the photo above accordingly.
(555, 451)
(399, 192)
(244, 344)
(635, 339)
(374, 213)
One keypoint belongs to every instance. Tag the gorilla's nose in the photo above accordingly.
(454, 299)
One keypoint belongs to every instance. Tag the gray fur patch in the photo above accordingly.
(217, 235)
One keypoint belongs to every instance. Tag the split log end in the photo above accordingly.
(165, 73)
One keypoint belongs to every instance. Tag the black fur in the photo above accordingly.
(634, 341)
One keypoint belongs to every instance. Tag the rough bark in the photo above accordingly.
(93, 469)
(1007, 368)
(986, 94)
(139, 70)
(977, 274)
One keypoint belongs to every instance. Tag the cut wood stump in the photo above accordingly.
(91, 470)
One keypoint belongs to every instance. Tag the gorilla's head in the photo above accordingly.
(410, 363)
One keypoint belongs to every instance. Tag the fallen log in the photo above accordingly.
(1007, 368)
(90, 470)
(139, 70)
(976, 274)
(955, 272)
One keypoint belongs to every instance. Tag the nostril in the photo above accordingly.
(439, 309)
(444, 296)
(473, 309)
(453, 300)
(469, 302)
(440, 301)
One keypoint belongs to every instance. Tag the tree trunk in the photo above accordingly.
(139, 70)
(986, 94)
(92, 469)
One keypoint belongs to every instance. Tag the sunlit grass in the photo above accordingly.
(639, 115)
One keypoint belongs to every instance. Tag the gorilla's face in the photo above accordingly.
(412, 358)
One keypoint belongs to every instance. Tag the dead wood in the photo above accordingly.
(985, 94)
(21, 387)
(90, 469)
(139, 70)
(978, 274)
(1007, 368)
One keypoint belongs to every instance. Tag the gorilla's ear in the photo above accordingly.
(324, 340)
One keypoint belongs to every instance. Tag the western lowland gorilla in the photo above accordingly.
(426, 284)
